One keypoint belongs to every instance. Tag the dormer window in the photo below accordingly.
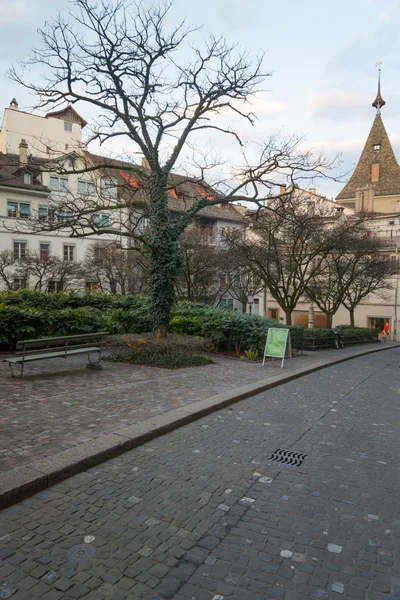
(67, 126)
(27, 178)
(376, 147)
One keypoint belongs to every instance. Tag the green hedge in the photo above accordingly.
(314, 338)
(28, 314)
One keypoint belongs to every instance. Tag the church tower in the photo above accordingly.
(375, 183)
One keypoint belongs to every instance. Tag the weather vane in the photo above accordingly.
(379, 101)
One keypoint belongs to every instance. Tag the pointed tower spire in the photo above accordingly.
(379, 101)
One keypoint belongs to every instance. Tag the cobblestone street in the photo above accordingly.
(94, 403)
(202, 514)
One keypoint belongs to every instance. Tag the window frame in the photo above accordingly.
(56, 284)
(67, 126)
(27, 179)
(17, 213)
(66, 253)
(46, 217)
(48, 250)
(21, 255)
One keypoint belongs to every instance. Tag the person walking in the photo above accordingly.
(386, 328)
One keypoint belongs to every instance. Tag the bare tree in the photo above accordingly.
(372, 274)
(244, 283)
(122, 60)
(348, 268)
(38, 269)
(288, 245)
(114, 269)
(7, 268)
(205, 265)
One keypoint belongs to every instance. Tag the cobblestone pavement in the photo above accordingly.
(202, 514)
(94, 403)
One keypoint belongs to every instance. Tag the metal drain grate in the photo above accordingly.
(288, 458)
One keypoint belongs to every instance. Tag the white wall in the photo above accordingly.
(39, 133)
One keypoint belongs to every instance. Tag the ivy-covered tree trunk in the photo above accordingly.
(164, 254)
(288, 317)
(329, 319)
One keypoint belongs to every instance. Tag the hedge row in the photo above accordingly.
(27, 314)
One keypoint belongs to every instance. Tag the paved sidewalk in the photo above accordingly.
(59, 405)
(202, 514)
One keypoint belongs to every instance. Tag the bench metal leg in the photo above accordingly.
(96, 365)
(21, 372)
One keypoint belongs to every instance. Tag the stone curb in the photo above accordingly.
(23, 482)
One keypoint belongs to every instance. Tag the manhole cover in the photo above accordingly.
(284, 418)
(287, 457)
(81, 552)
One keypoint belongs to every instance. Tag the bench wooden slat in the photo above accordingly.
(18, 360)
(51, 349)
(59, 339)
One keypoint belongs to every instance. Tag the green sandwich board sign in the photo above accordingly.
(278, 344)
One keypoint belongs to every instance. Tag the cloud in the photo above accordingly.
(336, 103)
(261, 105)
(376, 44)
(23, 12)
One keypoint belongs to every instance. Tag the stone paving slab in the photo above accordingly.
(203, 514)
(60, 465)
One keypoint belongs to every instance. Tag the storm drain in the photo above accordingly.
(287, 457)
(81, 552)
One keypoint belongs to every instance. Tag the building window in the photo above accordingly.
(27, 178)
(54, 286)
(109, 188)
(44, 250)
(20, 283)
(236, 281)
(20, 210)
(101, 220)
(69, 252)
(227, 303)
(376, 146)
(58, 184)
(86, 187)
(90, 286)
(65, 215)
(19, 250)
(67, 126)
(273, 313)
(12, 209)
(43, 213)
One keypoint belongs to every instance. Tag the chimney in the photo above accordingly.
(23, 153)
(14, 104)
(313, 190)
(145, 163)
(282, 188)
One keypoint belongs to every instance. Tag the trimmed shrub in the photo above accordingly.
(173, 352)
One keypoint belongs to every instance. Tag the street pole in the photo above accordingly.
(396, 291)
(311, 316)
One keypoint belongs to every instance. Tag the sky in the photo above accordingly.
(322, 56)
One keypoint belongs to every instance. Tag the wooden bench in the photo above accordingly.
(57, 347)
